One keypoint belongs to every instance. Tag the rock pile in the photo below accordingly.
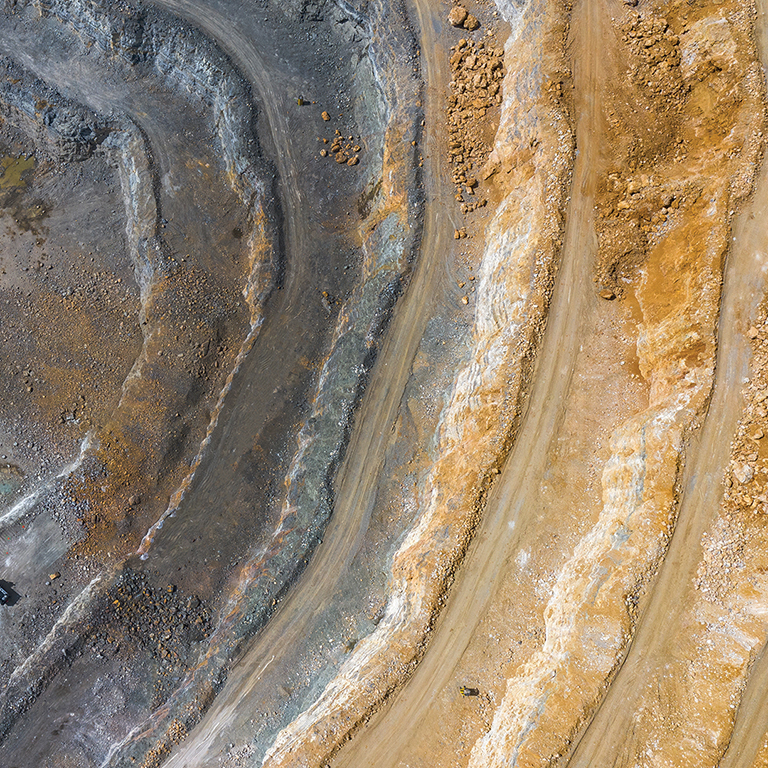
(655, 51)
(633, 205)
(477, 71)
(641, 195)
(343, 149)
(161, 621)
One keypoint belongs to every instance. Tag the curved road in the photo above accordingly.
(357, 480)
(511, 515)
(707, 457)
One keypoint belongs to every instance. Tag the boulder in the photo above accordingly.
(457, 16)
(471, 23)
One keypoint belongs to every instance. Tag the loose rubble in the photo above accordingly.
(345, 150)
(477, 71)
(162, 622)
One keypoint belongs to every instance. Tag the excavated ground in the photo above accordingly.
(358, 353)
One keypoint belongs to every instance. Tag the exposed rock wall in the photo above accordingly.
(66, 130)
(477, 425)
(135, 437)
(388, 237)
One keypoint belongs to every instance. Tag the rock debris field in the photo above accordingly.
(384, 384)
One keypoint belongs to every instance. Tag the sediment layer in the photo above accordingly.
(681, 211)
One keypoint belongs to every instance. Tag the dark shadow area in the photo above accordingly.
(13, 596)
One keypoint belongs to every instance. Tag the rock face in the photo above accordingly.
(520, 258)
(671, 214)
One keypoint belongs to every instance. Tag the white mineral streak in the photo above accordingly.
(587, 619)
(72, 616)
(135, 173)
(513, 291)
(586, 628)
(26, 503)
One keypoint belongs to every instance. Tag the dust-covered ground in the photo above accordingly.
(383, 383)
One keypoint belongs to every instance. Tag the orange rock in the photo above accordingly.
(457, 15)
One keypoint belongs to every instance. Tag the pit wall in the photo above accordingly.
(70, 132)
(388, 240)
(679, 196)
(188, 59)
(478, 424)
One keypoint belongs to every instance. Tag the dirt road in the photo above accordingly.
(513, 512)
(708, 456)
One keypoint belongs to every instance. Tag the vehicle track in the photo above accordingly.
(358, 478)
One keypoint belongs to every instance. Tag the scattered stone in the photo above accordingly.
(343, 149)
(607, 294)
(752, 332)
(325, 116)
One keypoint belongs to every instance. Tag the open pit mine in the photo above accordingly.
(384, 384)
